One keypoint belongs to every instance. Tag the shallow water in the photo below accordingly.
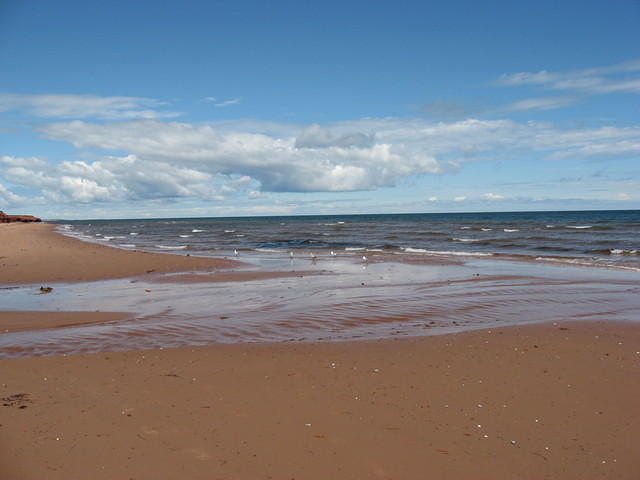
(345, 300)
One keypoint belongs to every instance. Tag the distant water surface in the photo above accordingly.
(591, 238)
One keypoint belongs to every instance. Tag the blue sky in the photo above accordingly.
(202, 108)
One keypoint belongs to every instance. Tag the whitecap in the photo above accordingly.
(133, 233)
(465, 240)
(459, 254)
(447, 253)
(185, 236)
(229, 231)
(415, 250)
(509, 230)
(580, 227)
(195, 230)
(169, 247)
(354, 249)
(486, 229)
(586, 263)
(465, 228)
(128, 245)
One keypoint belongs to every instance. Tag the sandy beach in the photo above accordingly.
(556, 400)
(33, 253)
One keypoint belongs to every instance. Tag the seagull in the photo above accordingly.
(235, 252)
(313, 257)
(364, 259)
(291, 254)
(333, 254)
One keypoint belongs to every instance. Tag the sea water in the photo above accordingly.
(589, 238)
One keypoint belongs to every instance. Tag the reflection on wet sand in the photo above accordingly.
(333, 300)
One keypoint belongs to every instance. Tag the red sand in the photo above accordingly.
(528, 402)
(33, 253)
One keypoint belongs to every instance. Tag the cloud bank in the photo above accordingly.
(152, 159)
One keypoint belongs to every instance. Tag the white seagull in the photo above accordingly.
(364, 259)
(235, 252)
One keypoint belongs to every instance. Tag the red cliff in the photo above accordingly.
(4, 218)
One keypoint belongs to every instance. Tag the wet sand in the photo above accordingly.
(20, 321)
(34, 253)
(557, 400)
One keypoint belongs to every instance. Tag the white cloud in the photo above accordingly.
(225, 103)
(619, 78)
(277, 163)
(112, 179)
(433, 199)
(460, 199)
(150, 159)
(8, 198)
(492, 196)
(315, 136)
(542, 103)
(84, 106)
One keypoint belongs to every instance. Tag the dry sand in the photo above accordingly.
(529, 402)
(34, 253)
(556, 402)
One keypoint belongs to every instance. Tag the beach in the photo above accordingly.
(550, 400)
(32, 253)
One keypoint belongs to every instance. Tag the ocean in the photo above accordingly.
(590, 238)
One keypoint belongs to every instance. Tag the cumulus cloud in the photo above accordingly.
(461, 198)
(112, 179)
(152, 159)
(84, 106)
(337, 163)
(619, 78)
(8, 198)
(315, 136)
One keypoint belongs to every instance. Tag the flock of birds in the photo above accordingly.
(312, 255)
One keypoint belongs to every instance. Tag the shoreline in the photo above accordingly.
(551, 400)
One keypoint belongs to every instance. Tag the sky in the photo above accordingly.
(133, 109)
